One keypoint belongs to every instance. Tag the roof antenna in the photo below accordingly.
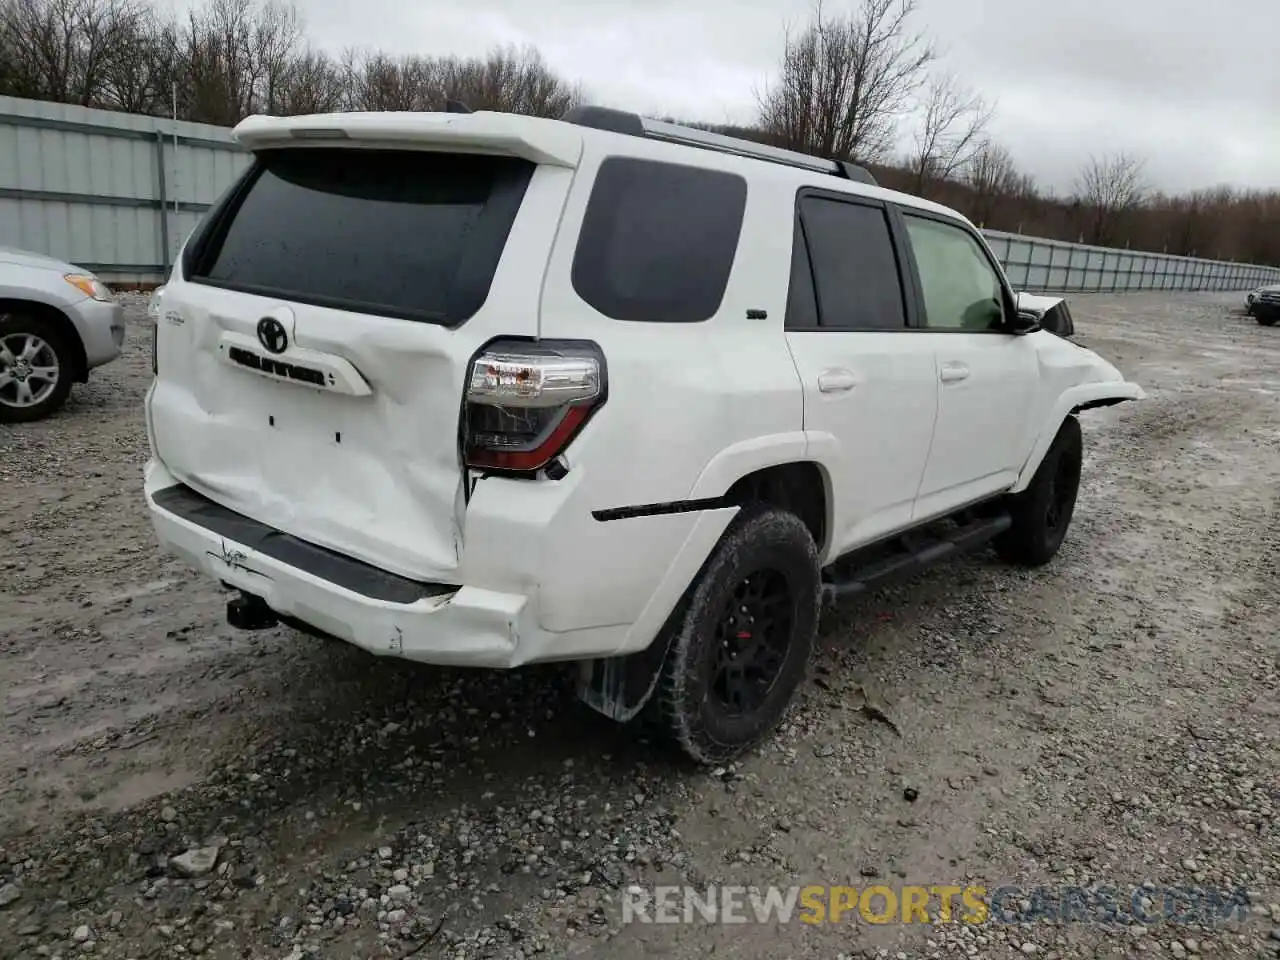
(456, 106)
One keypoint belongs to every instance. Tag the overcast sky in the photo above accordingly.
(1194, 88)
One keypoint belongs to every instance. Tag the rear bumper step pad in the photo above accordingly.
(346, 572)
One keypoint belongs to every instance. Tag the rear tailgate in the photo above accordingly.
(312, 357)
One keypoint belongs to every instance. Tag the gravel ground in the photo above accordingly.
(169, 787)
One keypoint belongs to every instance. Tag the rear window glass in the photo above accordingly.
(658, 240)
(408, 234)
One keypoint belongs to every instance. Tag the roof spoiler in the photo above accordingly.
(504, 134)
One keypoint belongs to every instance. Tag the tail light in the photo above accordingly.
(153, 314)
(525, 402)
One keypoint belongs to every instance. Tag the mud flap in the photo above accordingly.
(620, 687)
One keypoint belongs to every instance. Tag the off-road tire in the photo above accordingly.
(1265, 321)
(20, 323)
(763, 546)
(1042, 513)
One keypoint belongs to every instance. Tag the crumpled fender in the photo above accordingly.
(1080, 397)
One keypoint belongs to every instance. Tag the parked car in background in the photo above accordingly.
(1264, 304)
(57, 322)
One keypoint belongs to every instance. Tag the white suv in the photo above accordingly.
(482, 389)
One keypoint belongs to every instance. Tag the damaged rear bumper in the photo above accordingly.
(381, 612)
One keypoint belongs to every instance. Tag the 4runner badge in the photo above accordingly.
(271, 335)
(279, 368)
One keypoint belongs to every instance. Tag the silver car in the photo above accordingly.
(57, 322)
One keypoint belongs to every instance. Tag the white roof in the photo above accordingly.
(536, 139)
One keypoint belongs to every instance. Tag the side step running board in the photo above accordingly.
(847, 577)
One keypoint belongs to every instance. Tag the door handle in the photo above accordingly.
(952, 372)
(836, 381)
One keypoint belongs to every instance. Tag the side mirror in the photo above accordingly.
(1029, 315)
(1024, 322)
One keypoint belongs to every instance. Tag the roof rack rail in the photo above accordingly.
(634, 125)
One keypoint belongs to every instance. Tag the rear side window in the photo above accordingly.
(407, 234)
(658, 240)
(855, 269)
(802, 304)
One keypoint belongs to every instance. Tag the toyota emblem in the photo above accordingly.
(271, 334)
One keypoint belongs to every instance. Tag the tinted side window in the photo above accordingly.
(802, 306)
(961, 290)
(205, 230)
(855, 269)
(658, 240)
(401, 233)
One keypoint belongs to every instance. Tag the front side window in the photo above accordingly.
(961, 289)
(658, 240)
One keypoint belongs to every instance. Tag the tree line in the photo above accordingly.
(865, 85)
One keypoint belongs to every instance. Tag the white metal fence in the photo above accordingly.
(118, 193)
(113, 192)
(1035, 264)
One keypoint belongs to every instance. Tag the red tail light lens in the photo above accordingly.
(526, 402)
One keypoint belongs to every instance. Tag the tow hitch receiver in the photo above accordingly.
(247, 612)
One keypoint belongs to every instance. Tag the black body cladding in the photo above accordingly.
(346, 572)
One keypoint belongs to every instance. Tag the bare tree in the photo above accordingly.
(63, 49)
(509, 79)
(1258, 213)
(1107, 190)
(237, 57)
(9, 74)
(312, 83)
(109, 32)
(214, 63)
(20, 73)
(39, 41)
(348, 67)
(952, 131)
(140, 78)
(274, 51)
(380, 82)
(991, 175)
(845, 83)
